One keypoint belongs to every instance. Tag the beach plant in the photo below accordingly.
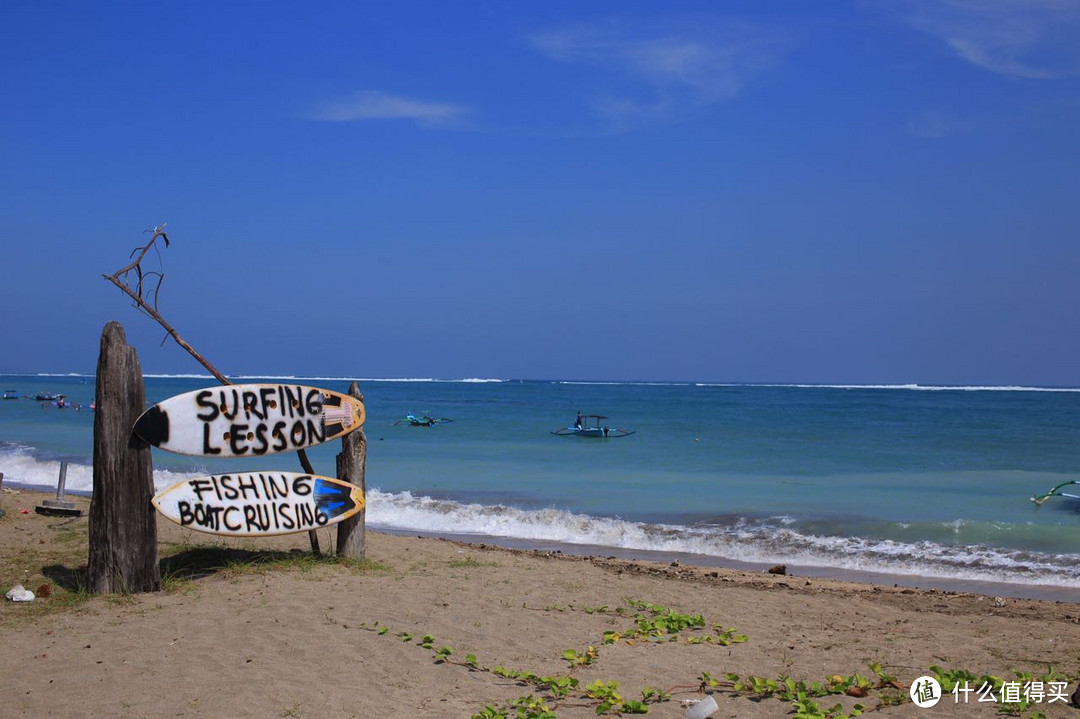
(654, 696)
(655, 622)
(550, 693)
(806, 708)
(607, 693)
(469, 562)
(576, 659)
(528, 707)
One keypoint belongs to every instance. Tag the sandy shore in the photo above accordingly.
(257, 628)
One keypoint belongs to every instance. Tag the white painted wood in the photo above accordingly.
(249, 420)
(259, 504)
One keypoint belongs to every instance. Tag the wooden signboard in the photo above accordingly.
(259, 504)
(249, 420)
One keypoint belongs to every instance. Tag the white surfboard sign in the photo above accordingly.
(250, 504)
(245, 420)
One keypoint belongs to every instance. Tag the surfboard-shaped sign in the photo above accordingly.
(245, 420)
(259, 504)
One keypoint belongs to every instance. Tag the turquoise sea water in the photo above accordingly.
(915, 481)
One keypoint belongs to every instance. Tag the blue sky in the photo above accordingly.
(718, 191)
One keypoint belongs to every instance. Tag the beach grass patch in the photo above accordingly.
(193, 562)
(469, 562)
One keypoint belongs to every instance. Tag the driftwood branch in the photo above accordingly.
(140, 294)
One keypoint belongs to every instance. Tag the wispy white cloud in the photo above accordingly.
(664, 71)
(1020, 38)
(375, 105)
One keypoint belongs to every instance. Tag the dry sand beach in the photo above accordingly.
(246, 628)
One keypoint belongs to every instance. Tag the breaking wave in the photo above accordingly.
(758, 540)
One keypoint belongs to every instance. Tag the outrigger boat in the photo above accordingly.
(1056, 492)
(588, 425)
(422, 421)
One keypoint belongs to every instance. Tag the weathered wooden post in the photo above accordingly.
(351, 464)
(123, 525)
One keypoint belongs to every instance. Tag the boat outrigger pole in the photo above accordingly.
(1056, 492)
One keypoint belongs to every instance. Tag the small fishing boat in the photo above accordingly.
(422, 420)
(47, 397)
(11, 394)
(1056, 492)
(589, 425)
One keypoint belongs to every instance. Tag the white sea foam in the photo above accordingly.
(915, 387)
(621, 383)
(294, 378)
(475, 380)
(20, 467)
(757, 541)
(281, 377)
(768, 540)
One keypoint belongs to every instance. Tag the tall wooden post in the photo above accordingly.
(123, 526)
(351, 465)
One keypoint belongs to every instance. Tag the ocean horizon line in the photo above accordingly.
(913, 386)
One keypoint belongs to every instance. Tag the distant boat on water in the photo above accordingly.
(422, 420)
(589, 425)
(11, 394)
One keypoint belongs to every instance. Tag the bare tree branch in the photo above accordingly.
(139, 294)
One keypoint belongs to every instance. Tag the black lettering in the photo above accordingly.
(228, 524)
(202, 399)
(287, 520)
(225, 404)
(279, 487)
(251, 407)
(186, 515)
(313, 402)
(280, 442)
(200, 515)
(212, 517)
(199, 486)
(250, 518)
(263, 512)
(260, 437)
(230, 489)
(316, 432)
(246, 485)
(298, 434)
(293, 403)
(266, 395)
(238, 438)
(206, 448)
(301, 485)
(304, 516)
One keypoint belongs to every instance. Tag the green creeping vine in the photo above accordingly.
(658, 623)
(653, 623)
(961, 680)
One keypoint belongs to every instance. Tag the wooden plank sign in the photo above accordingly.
(259, 503)
(244, 420)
